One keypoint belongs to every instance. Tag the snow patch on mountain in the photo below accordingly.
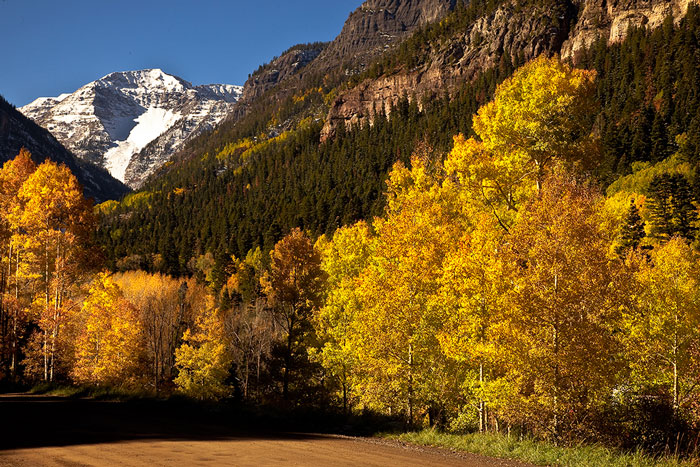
(154, 121)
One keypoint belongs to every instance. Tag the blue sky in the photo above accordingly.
(55, 46)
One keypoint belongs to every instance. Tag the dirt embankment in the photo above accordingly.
(49, 431)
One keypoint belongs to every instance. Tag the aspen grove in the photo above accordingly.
(501, 290)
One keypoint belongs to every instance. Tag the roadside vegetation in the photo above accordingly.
(542, 453)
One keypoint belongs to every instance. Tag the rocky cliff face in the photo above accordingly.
(510, 30)
(110, 121)
(376, 26)
(372, 29)
(17, 132)
(289, 63)
(561, 26)
(611, 19)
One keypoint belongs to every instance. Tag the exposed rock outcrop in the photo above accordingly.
(562, 26)
(611, 19)
(289, 63)
(509, 30)
(376, 26)
(372, 29)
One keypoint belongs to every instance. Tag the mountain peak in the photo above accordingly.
(111, 120)
(150, 78)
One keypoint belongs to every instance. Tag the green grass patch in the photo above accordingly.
(538, 452)
(91, 392)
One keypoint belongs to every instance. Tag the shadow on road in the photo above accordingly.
(29, 421)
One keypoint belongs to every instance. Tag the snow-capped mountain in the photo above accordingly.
(112, 120)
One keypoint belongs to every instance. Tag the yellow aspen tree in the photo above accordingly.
(203, 361)
(399, 360)
(540, 114)
(54, 225)
(12, 306)
(164, 315)
(664, 328)
(563, 308)
(472, 287)
(108, 347)
(343, 259)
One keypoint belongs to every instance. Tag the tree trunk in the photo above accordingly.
(47, 298)
(16, 317)
(46, 357)
(287, 360)
(555, 342)
(410, 384)
(482, 414)
(675, 371)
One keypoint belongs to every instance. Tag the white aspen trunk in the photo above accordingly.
(56, 310)
(675, 371)
(17, 276)
(46, 357)
(46, 297)
(555, 339)
(16, 317)
(14, 313)
(410, 384)
(482, 415)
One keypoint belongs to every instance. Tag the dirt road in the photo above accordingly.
(47, 431)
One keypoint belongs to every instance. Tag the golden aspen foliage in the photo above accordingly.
(14, 300)
(108, 347)
(53, 225)
(563, 309)
(399, 363)
(542, 112)
(664, 327)
(203, 361)
(539, 114)
(343, 259)
(12, 176)
(490, 183)
(471, 296)
(164, 312)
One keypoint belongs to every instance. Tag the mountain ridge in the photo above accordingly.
(110, 121)
(17, 132)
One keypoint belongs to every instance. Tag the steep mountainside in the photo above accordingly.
(433, 68)
(271, 74)
(17, 131)
(370, 31)
(303, 155)
(112, 120)
(611, 20)
(514, 28)
(376, 26)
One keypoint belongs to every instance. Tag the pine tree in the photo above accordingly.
(632, 232)
(672, 207)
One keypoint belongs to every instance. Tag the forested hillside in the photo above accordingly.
(249, 182)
